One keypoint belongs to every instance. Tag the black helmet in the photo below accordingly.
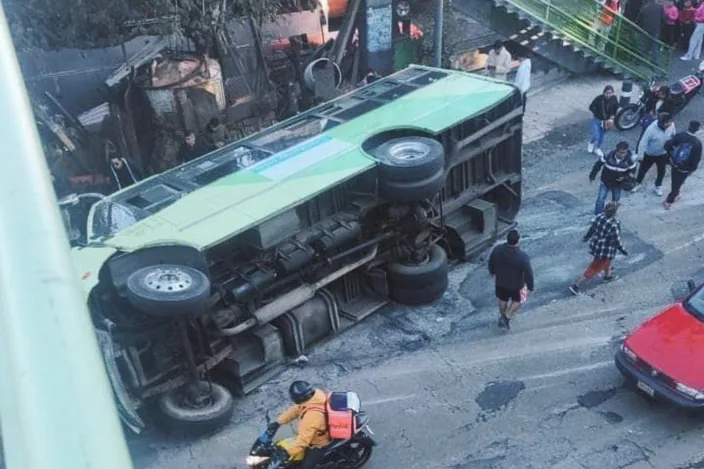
(300, 392)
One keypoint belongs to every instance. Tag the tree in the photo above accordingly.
(57, 24)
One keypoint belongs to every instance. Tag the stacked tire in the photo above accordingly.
(419, 283)
(411, 169)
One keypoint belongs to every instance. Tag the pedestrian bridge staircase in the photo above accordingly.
(565, 32)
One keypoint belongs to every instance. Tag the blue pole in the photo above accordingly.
(437, 37)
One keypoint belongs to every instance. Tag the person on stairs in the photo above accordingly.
(697, 39)
(606, 15)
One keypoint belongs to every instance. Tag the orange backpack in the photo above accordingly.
(608, 12)
(340, 412)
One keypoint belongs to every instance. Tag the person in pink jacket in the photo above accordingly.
(695, 42)
(670, 22)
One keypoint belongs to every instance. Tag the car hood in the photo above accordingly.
(673, 343)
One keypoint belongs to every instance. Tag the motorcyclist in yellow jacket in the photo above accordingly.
(309, 408)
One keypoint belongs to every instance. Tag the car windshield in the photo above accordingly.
(695, 304)
(109, 218)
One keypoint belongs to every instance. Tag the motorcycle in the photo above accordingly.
(351, 453)
(681, 92)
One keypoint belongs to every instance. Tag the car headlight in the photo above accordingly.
(253, 461)
(691, 392)
(629, 353)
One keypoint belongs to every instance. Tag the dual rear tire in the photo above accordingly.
(411, 169)
(422, 282)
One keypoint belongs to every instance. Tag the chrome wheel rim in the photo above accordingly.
(168, 280)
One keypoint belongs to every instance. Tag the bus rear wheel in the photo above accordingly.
(419, 282)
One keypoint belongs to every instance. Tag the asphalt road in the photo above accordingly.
(447, 389)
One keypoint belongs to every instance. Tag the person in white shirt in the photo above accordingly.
(651, 150)
(498, 63)
(522, 80)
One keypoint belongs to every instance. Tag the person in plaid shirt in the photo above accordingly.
(605, 235)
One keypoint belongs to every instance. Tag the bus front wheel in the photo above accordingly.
(202, 410)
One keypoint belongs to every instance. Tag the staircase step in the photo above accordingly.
(562, 48)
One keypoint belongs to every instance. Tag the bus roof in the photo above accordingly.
(333, 154)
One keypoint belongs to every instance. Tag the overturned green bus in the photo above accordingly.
(201, 281)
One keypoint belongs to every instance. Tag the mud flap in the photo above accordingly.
(369, 440)
(125, 407)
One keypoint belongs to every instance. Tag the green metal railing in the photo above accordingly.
(625, 45)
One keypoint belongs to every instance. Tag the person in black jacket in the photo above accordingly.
(685, 151)
(122, 175)
(615, 167)
(193, 147)
(632, 9)
(661, 101)
(603, 108)
(513, 272)
(650, 19)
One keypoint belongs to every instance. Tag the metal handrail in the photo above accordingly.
(629, 47)
(56, 405)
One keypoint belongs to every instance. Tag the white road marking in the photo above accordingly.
(567, 371)
(489, 357)
(388, 399)
(695, 240)
(634, 259)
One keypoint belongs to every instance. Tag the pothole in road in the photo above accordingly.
(497, 394)
(595, 398)
(612, 417)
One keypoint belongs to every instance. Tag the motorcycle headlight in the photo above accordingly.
(253, 461)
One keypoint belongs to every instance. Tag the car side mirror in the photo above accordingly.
(691, 285)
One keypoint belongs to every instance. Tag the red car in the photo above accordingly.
(664, 356)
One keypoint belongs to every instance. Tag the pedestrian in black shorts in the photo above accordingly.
(513, 272)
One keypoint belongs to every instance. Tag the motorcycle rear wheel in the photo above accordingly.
(628, 117)
(362, 451)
